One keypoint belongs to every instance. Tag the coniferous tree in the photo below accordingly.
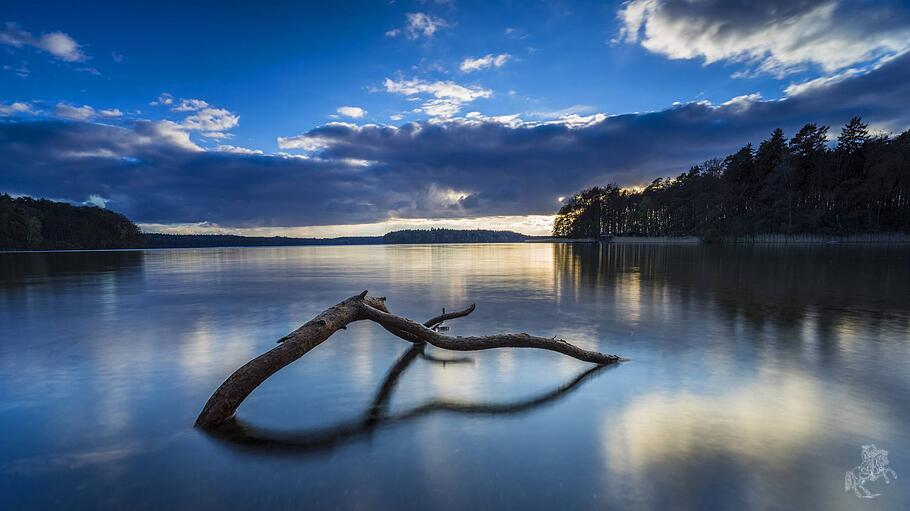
(799, 186)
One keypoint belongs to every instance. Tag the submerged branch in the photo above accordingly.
(222, 405)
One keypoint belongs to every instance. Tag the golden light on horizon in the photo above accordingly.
(534, 225)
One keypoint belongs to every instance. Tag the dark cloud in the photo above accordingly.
(458, 168)
(773, 36)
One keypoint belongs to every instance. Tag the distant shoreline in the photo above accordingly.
(769, 239)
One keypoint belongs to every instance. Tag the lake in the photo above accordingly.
(756, 375)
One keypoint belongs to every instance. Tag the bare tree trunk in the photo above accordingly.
(222, 405)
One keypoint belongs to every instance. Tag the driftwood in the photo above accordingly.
(222, 405)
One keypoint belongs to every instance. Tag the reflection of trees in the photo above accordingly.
(238, 434)
(28, 267)
(760, 282)
(19, 268)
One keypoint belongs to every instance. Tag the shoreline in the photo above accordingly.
(768, 239)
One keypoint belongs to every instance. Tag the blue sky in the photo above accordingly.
(355, 117)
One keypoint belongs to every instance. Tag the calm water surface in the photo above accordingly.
(757, 374)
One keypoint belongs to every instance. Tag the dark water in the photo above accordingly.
(757, 374)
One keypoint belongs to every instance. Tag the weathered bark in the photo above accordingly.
(222, 405)
(395, 324)
(224, 402)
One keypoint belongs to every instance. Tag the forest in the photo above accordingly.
(41, 224)
(804, 185)
(452, 236)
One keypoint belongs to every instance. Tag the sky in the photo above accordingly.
(356, 118)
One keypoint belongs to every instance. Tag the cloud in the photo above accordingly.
(97, 201)
(419, 24)
(778, 37)
(470, 167)
(449, 96)
(515, 33)
(562, 112)
(18, 107)
(188, 105)
(22, 70)
(84, 112)
(165, 133)
(469, 64)
(441, 89)
(211, 120)
(79, 113)
(237, 150)
(351, 111)
(165, 99)
(58, 44)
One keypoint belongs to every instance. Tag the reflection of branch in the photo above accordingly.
(236, 433)
(498, 408)
(444, 361)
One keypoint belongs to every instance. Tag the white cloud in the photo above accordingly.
(188, 105)
(440, 89)
(351, 111)
(165, 99)
(396, 117)
(76, 113)
(58, 44)
(211, 120)
(97, 201)
(448, 95)
(469, 64)
(22, 70)
(303, 142)
(14, 108)
(562, 112)
(167, 131)
(744, 102)
(237, 150)
(442, 108)
(778, 37)
(800, 88)
(84, 112)
(419, 24)
(313, 142)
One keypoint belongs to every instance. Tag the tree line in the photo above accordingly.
(803, 185)
(41, 224)
(452, 236)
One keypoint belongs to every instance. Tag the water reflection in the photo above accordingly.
(19, 268)
(749, 365)
(239, 433)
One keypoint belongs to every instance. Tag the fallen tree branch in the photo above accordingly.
(395, 324)
(222, 405)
